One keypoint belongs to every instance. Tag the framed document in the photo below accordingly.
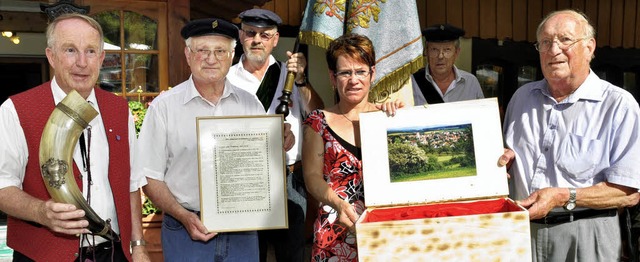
(241, 171)
(437, 153)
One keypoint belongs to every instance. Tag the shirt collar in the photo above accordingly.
(59, 94)
(590, 89)
(192, 92)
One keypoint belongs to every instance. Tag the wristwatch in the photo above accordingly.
(139, 242)
(571, 204)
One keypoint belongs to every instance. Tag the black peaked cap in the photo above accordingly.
(260, 18)
(442, 33)
(209, 26)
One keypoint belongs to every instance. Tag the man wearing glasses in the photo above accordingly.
(259, 73)
(573, 143)
(443, 82)
(166, 152)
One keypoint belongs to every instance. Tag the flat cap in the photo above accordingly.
(209, 26)
(260, 18)
(442, 33)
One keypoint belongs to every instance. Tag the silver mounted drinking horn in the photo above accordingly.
(59, 138)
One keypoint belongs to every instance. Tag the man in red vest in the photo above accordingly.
(38, 228)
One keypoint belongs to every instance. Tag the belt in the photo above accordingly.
(295, 166)
(559, 218)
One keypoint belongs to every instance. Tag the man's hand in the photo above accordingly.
(62, 218)
(296, 64)
(539, 203)
(289, 138)
(507, 159)
(197, 230)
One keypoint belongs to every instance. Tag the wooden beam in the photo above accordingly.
(629, 24)
(470, 17)
(23, 22)
(177, 17)
(504, 21)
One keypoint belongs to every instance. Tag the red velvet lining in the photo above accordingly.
(441, 210)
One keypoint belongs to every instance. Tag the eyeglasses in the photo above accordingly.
(564, 43)
(446, 52)
(264, 35)
(347, 74)
(219, 54)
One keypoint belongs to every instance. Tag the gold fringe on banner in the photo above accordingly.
(315, 38)
(393, 81)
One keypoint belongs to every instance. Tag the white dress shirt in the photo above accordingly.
(167, 147)
(240, 77)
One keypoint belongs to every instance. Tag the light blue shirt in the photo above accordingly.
(464, 87)
(589, 137)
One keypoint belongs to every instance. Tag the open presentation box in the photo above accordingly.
(433, 189)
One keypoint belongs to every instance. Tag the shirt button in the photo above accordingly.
(546, 149)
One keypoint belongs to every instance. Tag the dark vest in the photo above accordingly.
(34, 107)
(267, 89)
(428, 90)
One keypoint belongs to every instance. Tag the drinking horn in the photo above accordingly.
(59, 138)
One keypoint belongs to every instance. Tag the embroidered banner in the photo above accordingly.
(392, 26)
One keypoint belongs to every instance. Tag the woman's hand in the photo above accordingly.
(347, 215)
(390, 107)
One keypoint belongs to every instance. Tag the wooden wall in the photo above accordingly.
(617, 22)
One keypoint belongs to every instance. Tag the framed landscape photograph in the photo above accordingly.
(433, 152)
(436, 153)
(242, 173)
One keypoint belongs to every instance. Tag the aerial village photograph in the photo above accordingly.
(421, 153)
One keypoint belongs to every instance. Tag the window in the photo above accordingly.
(136, 53)
(527, 74)
(489, 76)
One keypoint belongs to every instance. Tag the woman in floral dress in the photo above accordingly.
(331, 149)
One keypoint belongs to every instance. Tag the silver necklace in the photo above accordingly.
(345, 116)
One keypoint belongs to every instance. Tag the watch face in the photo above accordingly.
(570, 206)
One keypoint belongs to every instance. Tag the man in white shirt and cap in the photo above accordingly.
(259, 73)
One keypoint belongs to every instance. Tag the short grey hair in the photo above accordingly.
(587, 28)
(51, 37)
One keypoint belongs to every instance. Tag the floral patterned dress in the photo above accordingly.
(343, 172)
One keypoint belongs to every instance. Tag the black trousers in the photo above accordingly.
(288, 244)
(101, 253)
